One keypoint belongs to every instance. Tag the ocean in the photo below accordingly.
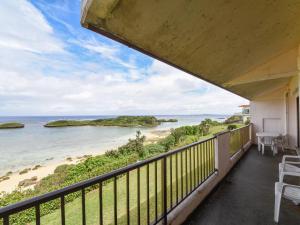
(35, 144)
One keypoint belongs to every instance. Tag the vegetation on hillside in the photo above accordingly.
(11, 125)
(234, 119)
(129, 153)
(231, 127)
(121, 121)
(168, 120)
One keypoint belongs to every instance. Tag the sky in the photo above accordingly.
(50, 65)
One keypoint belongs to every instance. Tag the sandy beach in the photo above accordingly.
(43, 171)
(156, 135)
(14, 179)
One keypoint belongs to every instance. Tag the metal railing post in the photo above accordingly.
(6, 220)
(216, 144)
(242, 138)
(164, 191)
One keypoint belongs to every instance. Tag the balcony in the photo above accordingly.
(246, 195)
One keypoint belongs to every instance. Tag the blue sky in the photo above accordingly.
(50, 65)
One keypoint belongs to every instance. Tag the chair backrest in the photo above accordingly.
(285, 139)
(281, 139)
(267, 140)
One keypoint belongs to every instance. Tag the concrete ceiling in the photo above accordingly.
(247, 47)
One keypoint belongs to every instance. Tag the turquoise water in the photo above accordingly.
(35, 144)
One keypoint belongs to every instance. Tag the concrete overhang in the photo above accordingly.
(246, 47)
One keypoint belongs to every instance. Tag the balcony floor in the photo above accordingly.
(246, 196)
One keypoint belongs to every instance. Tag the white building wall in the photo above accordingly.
(267, 111)
(276, 111)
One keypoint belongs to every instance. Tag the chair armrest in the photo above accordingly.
(291, 162)
(297, 150)
(293, 174)
(285, 185)
(290, 157)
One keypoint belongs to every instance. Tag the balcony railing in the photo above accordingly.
(238, 139)
(143, 193)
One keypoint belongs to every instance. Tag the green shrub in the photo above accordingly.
(247, 122)
(231, 127)
(188, 139)
(134, 145)
(153, 149)
(182, 131)
(168, 142)
(62, 168)
(112, 153)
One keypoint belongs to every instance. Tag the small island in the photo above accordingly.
(120, 121)
(168, 120)
(11, 125)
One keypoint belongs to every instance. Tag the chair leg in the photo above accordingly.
(280, 176)
(274, 150)
(277, 205)
(259, 144)
(279, 170)
(282, 147)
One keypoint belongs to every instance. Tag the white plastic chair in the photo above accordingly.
(288, 191)
(282, 142)
(291, 167)
(267, 141)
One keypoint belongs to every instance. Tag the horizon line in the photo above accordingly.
(215, 114)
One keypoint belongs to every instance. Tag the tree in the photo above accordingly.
(134, 145)
(204, 126)
(139, 143)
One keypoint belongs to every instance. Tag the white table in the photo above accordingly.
(261, 135)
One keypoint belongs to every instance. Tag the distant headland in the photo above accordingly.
(11, 125)
(120, 121)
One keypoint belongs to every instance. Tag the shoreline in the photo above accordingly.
(11, 184)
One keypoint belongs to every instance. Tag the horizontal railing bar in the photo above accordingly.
(239, 128)
(231, 131)
(23, 205)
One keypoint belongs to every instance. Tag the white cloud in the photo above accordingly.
(168, 91)
(110, 52)
(23, 27)
(44, 84)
